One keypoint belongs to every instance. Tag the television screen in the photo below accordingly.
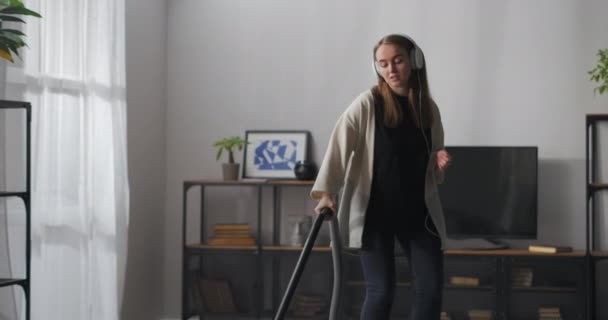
(491, 192)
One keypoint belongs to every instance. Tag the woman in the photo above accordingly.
(386, 152)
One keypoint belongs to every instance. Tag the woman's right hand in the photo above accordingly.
(326, 201)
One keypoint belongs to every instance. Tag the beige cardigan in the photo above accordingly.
(348, 165)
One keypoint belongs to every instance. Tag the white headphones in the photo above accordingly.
(416, 55)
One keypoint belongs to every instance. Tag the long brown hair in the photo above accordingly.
(418, 84)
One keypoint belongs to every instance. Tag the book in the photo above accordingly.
(232, 234)
(307, 305)
(231, 242)
(464, 281)
(231, 226)
(522, 277)
(477, 314)
(217, 296)
(549, 249)
(548, 310)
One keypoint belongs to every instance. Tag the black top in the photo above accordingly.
(399, 169)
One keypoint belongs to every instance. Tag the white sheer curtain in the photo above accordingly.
(74, 76)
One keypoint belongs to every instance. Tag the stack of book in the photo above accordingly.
(549, 249)
(480, 314)
(229, 234)
(549, 313)
(521, 277)
(216, 296)
(445, 316)
(464, 281)
(306, 306)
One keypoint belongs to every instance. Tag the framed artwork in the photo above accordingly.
(271, 154)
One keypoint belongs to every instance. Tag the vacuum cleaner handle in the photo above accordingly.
(336, 245)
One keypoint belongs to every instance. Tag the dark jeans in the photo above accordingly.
(425, 257)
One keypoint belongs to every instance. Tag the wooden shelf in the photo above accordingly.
(598, 186)
(291, 182)
(549, 289)
(225, 182)
(269, 315)
(514, 252)
(576, 253)
(361, 283)
(249, 182)
(7, 104)
(402, 284)
(11, 282)
(597, 117)
(201, 246)
(599, 254)
(12, 194)
(294, 248)
(227, 316)
(463, 287)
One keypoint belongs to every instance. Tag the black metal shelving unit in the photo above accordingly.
(259, 252)
(592, 188)
(496, 265)
(26, 197)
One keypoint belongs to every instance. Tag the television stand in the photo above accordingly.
(477, 244)
(496, 245)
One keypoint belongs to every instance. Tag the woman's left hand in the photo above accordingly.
(443, 159)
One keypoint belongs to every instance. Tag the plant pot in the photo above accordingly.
(230, 171)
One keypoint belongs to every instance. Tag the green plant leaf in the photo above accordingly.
(599, 73)
(15, 50)
(11, 36)
(16, 3)
(21, 11)
(10, 45)
(228, 144)
(11, 19)
(13, 31)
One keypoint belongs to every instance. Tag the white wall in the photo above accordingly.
(502, 72)
(146, 26)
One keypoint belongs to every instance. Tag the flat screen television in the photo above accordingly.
(490, 192)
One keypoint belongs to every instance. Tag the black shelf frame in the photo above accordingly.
(500, 262)
(576, 289)
(26, 197)
(592, 188)
(258, 251)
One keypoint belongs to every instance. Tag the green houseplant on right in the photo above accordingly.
(599, 74)
(11, 39)
(230, 170)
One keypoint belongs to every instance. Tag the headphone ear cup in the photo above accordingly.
(416, 58)
(374, 68)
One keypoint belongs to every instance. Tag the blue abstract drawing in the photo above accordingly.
(275, 155)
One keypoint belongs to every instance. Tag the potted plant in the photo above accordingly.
(599, 74)
(11, 39)
(230, 169)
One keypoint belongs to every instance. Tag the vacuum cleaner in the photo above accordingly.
(336, 245)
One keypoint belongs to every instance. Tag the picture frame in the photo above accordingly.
(272, 154)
